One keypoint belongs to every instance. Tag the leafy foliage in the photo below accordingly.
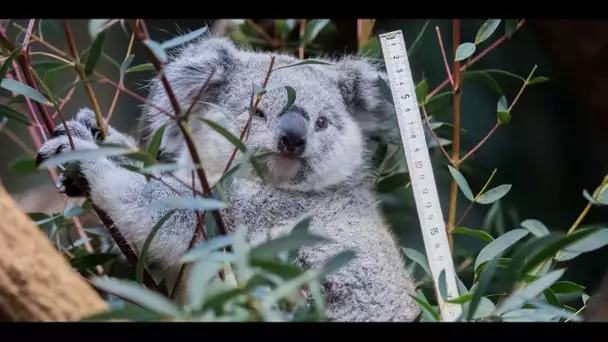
(515, 276)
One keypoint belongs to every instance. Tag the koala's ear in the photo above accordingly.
(363, 93)
(208, 60)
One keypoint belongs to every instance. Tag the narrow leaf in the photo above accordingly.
(314, 27)
(510, 27)
(416, 42)
(156, 140)
(473, 232)
(427, 308)
(229, 136)
(291, 98)
(95, 26)
(271, 249)
(305, 62)
(567, 287)
(422, 90)
(502, 105)
(482, 285)
(8, 61)
(499, 245)
(94, 54)
(177, 41)
(141, 67)
(141, 261)
(464, 51)
(462, 183)
(535, 227)
(23, 165)
(596, 240)
(503, 118)
(85, 154)
(493, 194)
(486, 30)
(537, 80)
(25, 90)
(207, 247)
(517, 300)
(418, 258)
(157, 49)
(13, 115)
(126, 63)
(201, 273)
(138, 294)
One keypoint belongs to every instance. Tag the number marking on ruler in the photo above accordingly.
(420, 169)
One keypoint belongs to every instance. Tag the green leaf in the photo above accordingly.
(207, 247)
(126, 64)
(537, 80)
(418, 258)
(313, 28)
(551, 297)
(156, 140)
(502, 105)
(416, 42)
(465, 298)
(498, 71)
(229, 136)
(94, 54)
(510, 27)
(141, 67)
(499, 245)
(503, 118)
(486, 76)
(462, 183)
(567, 287)
(94, 27)
(426, 307)
(393, 182)
(73, 210)
(535, 227)
(517, 300)
(385, 90)
(476, 233)
(193, 203)
(129, 312)
(597, 240)
(157, 49)
(295, 240)
(138, 294)
(482, 285)
(486, 30)
(464, 51)
(199, 276)
(494, 194)
(90, 261)
(291, 98)
(85, 154)
(45, 25)
(143, 254)
(13, 115)
(25, 90)
(8, 61)
(160, 168)
(422, 90)
(23, 164)
(177, 41)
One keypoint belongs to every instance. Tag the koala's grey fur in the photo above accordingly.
(331, 181)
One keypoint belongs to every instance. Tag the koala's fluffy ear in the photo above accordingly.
(209, 59)
(363, 94)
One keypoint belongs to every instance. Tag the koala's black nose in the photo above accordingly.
(292, 145)
(292, 134)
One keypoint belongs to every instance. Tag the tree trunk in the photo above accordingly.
(36, 283)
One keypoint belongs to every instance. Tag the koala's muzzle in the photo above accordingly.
(292, 134)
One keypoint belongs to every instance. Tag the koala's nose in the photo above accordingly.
(292, 145)
(292, 134)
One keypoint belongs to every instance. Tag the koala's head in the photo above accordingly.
(319, 140)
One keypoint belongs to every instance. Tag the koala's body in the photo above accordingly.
(320, 170)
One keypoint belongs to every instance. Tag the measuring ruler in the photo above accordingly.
(420, 170)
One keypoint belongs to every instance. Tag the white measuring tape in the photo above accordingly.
(420, 169)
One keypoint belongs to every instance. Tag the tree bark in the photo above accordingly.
(36, 283)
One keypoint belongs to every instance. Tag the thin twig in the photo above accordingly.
(121, 80)
(28, 34)
(87, 86)
(476, 198)
(445, 59)
(302, 38)
(473, 60)
(428, 123)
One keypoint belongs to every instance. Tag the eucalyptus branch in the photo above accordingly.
(87, 86)
(142, 36)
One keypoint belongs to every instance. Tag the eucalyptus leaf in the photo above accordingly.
(428, 312)
(207, 247)
(94, 54)
(157, 49)
(499, 245)
(25, 90)
(418, 258)
(13, 115)
(517, 300)
(474, 232)
(535, 227)
(537, 80)
(482, 285)
(201, 273)
(464, 51)
(304, 62)
(510, 27)
(177, 41)
(486, 30)
(494, 194)
(85, 154)
(462, 183)
(141, 67)
(139, 295)
(141, 261)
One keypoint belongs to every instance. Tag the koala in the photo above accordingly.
(320, 167)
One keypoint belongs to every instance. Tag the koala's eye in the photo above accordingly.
(259, 113)
(321, 123)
